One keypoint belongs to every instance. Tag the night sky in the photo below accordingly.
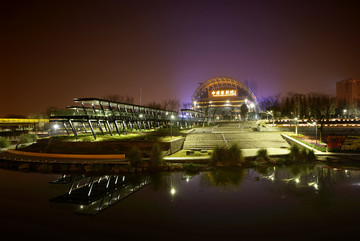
(54, 51)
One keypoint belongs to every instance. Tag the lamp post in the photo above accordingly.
(296, 125)
(171, 118)
(344, 113)
(55, 127)
(252, 110)
(315, 132)
(272, 115)
(140, 116)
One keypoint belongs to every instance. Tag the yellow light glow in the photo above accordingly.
(16, 120)
(220, 93)
(172, 191)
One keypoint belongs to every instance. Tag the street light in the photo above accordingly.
(171, 118)
(55, 127)
(140, 116)
(296, 125)
(344, 113)
(315, 132)
(252, 106)
(272, 115)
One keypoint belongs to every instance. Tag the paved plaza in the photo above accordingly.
(245, 134)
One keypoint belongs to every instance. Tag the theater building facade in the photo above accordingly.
(223, 98)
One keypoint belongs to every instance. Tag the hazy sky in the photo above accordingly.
(54, 51)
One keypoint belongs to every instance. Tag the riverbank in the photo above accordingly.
(85, 156)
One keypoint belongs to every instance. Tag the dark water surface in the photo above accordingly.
(301, 202)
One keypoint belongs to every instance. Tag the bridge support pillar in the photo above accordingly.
(92, 130)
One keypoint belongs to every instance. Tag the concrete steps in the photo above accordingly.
(204, 141)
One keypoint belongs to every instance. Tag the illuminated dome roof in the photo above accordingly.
(223, 87)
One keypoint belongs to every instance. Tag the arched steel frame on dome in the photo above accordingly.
(222, 83)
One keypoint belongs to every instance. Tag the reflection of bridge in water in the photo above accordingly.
(90, 195)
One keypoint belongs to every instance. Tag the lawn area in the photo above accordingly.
(162, 135)
(168, 138)
(321, 146)
(107, 137)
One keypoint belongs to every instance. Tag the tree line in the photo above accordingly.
(310, 106)
(168, 104)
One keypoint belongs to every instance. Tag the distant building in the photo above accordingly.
(348, 92)
(222, 98)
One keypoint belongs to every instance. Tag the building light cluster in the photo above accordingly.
(220, 93)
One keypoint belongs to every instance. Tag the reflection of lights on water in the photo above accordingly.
(172, 191)
(272, 176)
(315, 185)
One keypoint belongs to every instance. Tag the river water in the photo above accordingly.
(300, 202)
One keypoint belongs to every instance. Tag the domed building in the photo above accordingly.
(222, 98)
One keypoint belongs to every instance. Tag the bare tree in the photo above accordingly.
(186, 105)
(270, 103)
(154, 105)
(119, 98)
(171, 104)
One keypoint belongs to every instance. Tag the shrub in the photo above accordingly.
(311, 157)
(191, 167)
(156, 156)
(134, 156)
(302, 155)
(263, 153)
(294, 151)
(235, 155)
(4, 142)
(219, 154)
(229, 156)
(28, 138)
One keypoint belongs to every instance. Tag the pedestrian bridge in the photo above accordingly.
(103, 116)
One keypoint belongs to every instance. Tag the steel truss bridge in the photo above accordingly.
(111, 117)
